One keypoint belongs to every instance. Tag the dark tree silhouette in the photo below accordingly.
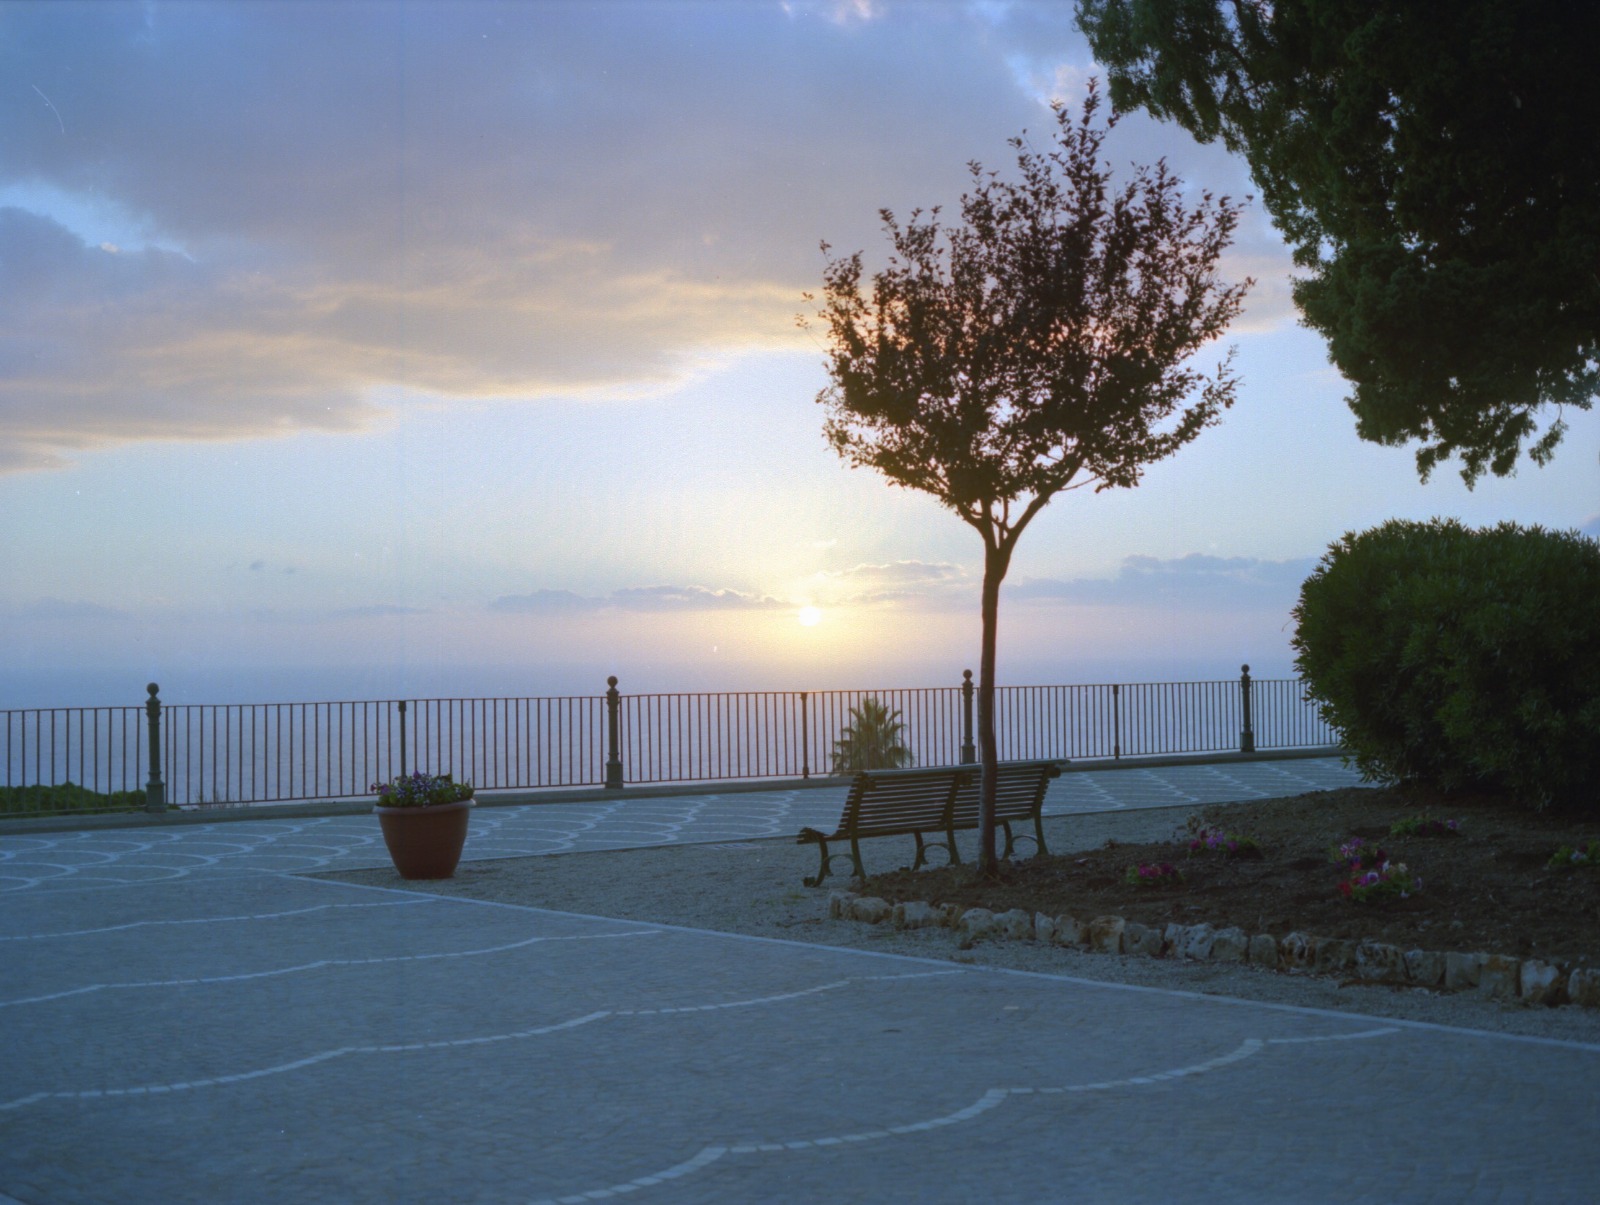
(1037, 347)
(1436, 168)
(871, 741)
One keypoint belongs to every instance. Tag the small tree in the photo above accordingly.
(1040, 346)
(871, 741)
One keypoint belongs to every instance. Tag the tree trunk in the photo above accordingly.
(995, 562)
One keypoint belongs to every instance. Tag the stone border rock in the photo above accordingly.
(1493, 976)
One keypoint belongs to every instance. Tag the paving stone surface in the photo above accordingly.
(268, 1037)
(116, 856)
(185, 1022)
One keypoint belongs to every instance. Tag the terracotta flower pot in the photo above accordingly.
(425, 842)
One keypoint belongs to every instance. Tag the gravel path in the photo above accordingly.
(755, 888)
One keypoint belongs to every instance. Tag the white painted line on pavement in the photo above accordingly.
(204, 920)
(809, 991)
(1334, 1037)
(299, 1064)
(446, 1044)
(992, 1099)
(319, 964)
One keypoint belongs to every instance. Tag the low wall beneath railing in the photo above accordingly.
(523, 798)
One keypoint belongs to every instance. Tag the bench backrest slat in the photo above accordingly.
(1019, 790)
(899, 799)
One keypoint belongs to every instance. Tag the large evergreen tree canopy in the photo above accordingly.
(1435, 165)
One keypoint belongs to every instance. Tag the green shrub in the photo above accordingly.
(66, 797)
(1460, 659)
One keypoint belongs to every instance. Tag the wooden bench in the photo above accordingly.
(932, 805)
(1019, 795)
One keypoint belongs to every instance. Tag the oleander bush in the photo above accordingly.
(1460, 659)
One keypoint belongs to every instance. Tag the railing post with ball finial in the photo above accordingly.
(1247, 732)
(155, 794)
(969, 752)
(613, 735)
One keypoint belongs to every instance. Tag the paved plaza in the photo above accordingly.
(624, 821)
(187, 1020)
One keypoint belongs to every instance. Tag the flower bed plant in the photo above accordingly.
(1154, 874)
(420, 790)
(1576, 857)
(1388, 880)
(1228, 845)
(1357, 854)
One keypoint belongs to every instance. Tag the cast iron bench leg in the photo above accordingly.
(822, 871)
(1011, 839)
(946, 842)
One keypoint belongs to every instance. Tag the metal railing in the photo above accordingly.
(248, 753)
(772, 734)
(98, 748)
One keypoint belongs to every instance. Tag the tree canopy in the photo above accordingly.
(1435, 166)
(872, 739)
(1042, 344)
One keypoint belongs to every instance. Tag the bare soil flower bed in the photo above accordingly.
(1486, 887)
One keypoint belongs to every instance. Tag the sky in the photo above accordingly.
(405, 350)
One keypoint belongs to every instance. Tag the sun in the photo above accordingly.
(810, 617)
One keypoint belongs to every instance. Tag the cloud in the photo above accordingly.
(636, 598)
(895, 581)
(257, 218)
(545, 602)
(898, 573)
(68, 609)
(691, 598)
(262, 566)
(840, 12)
(1591, 527)
(101, 349)
(377, 611)
(1196, 580)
